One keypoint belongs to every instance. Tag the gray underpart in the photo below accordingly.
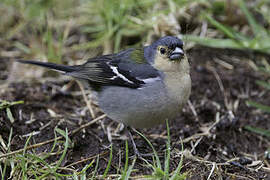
(139, 108)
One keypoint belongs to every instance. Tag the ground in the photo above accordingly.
(211, 126)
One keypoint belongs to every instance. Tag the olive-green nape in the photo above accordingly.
(137, 55)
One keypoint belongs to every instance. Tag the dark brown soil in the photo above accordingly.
(222, 82)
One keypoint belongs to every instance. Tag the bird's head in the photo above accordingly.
(169, 48)
(167, 53)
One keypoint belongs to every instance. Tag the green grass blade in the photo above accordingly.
(226, 30)
(118, 38)
(179, 167)
(168, 152)
(123, 176)
(22, 47)
(62, 133)
(10, 116)
(215, 43)
(6, 104)
(265, 70)
(95, 170)
(26, 143)
(3, 171)
(158, 174)
(42, 161)
(260, 131)
(108, 165)
(24, 162)
(83, 171)
(126, 161)
(75, 177)
(259, 106)
(263, 84)
(66, 145)
(152, 147)
(53, 146)
(130, 168)
(256, 28)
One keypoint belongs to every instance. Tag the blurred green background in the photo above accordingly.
(52, 29)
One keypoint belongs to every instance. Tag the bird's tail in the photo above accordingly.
(56, 67)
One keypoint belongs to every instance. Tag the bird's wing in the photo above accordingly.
(116, 69)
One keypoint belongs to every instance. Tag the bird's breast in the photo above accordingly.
(178, 86)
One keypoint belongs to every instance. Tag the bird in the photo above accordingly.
(140, 87)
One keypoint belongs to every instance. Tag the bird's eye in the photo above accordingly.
(162, 50)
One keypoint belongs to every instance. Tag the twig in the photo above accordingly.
(220, 84)
(195, 136)
(212, 170)
(207, 132)
(224, 64)
(88, 124)
(196, 144)
(240, 176)
(204, 29)
(87, 101)
(86, 159)
(193, 110)
(265, 169)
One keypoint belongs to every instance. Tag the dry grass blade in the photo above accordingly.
(87, 101)
(87, 159)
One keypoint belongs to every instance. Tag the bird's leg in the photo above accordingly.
(136, 151)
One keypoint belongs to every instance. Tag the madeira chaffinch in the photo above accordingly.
(140, 87)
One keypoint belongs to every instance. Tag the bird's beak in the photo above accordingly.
(178, 53)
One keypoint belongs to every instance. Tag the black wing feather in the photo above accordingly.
(101, 72)
(115, 69)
